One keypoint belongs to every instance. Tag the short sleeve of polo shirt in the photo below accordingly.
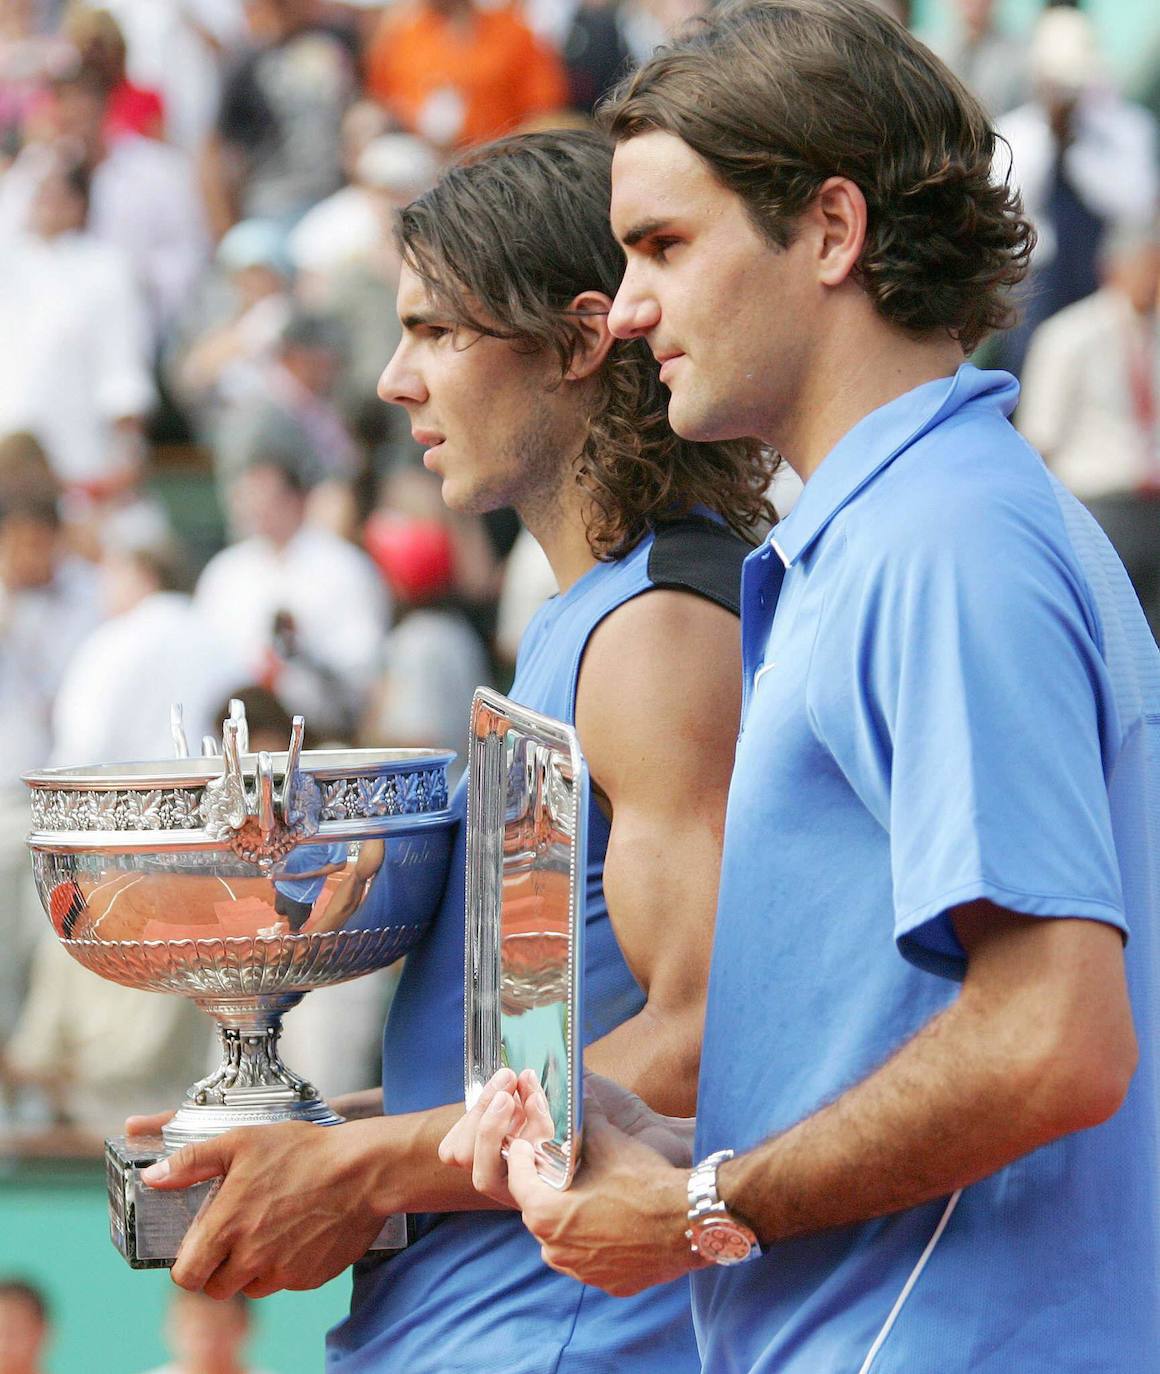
(983, 728)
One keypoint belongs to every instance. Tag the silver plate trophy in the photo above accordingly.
(241, 880)
(526, 856)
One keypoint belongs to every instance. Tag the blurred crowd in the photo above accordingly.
(197, 277)
(203, 1336)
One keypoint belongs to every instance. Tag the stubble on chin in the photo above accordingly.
(534, 476)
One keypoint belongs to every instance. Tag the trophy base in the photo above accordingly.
(148, 1225)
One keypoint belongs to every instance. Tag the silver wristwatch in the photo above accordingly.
(713, 1232)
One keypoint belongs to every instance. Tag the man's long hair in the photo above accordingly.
(778, 95)
(505, 242)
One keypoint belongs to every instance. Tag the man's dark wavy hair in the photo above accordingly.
(509, 237)
(778, 95)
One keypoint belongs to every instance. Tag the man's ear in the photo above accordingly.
(589, 314)
(838, 213)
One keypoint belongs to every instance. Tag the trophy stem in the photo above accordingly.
(251, 1086)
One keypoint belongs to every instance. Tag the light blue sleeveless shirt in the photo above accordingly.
(472, 1294)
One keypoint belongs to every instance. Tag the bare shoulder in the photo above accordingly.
(660, 683)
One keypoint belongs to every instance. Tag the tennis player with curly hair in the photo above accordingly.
(522, 397)
(927, 1117)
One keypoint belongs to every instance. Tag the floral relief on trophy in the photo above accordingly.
(159, 809)
(402, 794)
(303, 805)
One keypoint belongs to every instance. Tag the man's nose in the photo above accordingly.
(633, 313)
(400, 381)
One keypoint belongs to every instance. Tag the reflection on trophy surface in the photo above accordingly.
(527, 809)
(241, 881)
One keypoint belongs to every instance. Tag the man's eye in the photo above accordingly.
(436, 331)
(660, 248)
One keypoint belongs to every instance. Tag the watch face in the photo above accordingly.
(723, 1241)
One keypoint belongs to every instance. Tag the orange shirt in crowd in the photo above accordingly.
(465, 79)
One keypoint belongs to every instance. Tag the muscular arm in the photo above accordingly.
(657, 709)
(1039, 1044)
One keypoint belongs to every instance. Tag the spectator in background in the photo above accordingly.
(95, 1051)
(1091, 404)
(177, 47)
(275, 149)
(36, 577)
(384, 172)
(348, 266)
(234, 330)
(98, 39)
(989, 62)
(528, 581)
(648, 23)
(74, 344)
(457, 73)
(595, 53)
(83, 1050)
(48, 605)
(291, 415)
(27, 52)
(1084, 159)
(154, 650)
(433, 658)
(207, 1337)
(305, 609)
(144, 197)
(25, 1327)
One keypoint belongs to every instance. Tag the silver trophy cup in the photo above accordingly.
(243, 881)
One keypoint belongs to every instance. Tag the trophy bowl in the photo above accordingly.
(243, 881)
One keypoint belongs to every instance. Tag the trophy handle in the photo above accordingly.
(267, 821)
(293, 754)
(177, 731)
(238, 717)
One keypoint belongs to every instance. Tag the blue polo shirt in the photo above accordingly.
(951, 693)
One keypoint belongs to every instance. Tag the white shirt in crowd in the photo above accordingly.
(171, 50)
(332, 590)
(434, 662)
(40, 630)
(73, 349)
(143, 199)
(124, 1051)
(114, 703)
(528, 581)
(1111, 161)
(344, 228)
(1077, 405)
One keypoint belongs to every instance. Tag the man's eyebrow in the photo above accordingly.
(642, 231)
(416, 319)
